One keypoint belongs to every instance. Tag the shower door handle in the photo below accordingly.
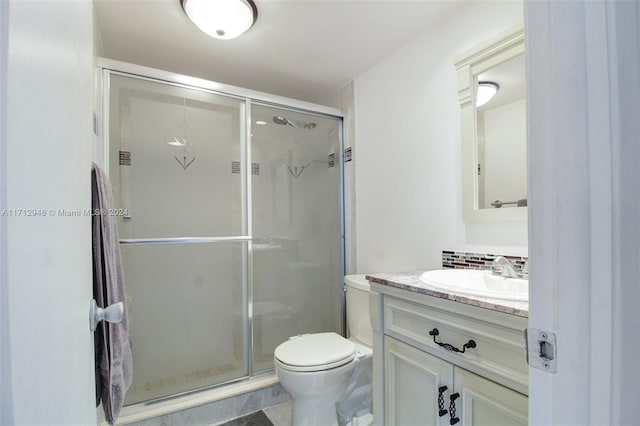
(112, 313)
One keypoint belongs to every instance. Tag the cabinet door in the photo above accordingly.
(412, 380)
(483, 402)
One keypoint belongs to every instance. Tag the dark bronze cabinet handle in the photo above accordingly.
(470, 344)
(441, 410)
(453, 418)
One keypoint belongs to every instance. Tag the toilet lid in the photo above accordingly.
(313, 352)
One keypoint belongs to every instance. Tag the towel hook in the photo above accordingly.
(112, 313)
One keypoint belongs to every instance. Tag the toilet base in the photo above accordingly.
(305, 413)
(363, 420)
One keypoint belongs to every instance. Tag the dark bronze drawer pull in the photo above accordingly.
(470, 344)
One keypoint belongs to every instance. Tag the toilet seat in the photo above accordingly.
(315, 352)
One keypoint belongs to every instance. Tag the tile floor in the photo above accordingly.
(279, 414)
(276, 415)
(259, 418)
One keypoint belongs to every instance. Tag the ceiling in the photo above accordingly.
(303, 49)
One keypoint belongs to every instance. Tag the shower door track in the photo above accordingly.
(183, 240)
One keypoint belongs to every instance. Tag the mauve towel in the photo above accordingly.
(111, 341)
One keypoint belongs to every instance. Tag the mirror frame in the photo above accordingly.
(509, 45)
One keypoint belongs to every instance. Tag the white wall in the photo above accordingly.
(408, 150)
(46, 142)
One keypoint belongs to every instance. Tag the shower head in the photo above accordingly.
(283, 121)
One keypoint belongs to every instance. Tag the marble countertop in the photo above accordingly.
(410, 281)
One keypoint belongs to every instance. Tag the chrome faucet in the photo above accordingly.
(504, 268)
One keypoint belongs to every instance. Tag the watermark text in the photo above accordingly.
(63, 212)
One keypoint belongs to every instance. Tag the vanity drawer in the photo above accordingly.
(499, 353)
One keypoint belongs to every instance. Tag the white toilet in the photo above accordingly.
(327, 375)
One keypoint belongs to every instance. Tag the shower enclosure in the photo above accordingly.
(230, 217)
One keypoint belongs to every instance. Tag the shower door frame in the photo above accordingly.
(107, 67)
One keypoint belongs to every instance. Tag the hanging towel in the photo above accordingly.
(111, 341)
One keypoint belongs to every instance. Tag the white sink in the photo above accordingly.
(477, 283)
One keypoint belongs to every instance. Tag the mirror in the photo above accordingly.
(494, 142)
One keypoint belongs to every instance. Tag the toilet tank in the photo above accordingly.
(358, 321)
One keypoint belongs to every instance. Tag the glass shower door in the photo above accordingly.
(175, 163)
(297, 250)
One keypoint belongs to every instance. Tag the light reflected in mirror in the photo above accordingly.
(501, 136)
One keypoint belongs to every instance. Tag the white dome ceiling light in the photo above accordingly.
(486, 91)
(223, 19)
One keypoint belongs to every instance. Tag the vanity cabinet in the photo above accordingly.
(419, 386)
(419, 372)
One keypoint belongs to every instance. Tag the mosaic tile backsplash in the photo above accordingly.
(465, 260)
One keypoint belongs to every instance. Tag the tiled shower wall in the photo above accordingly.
(466, 260)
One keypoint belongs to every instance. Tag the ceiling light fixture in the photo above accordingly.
(223, 19)
(486, 91)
